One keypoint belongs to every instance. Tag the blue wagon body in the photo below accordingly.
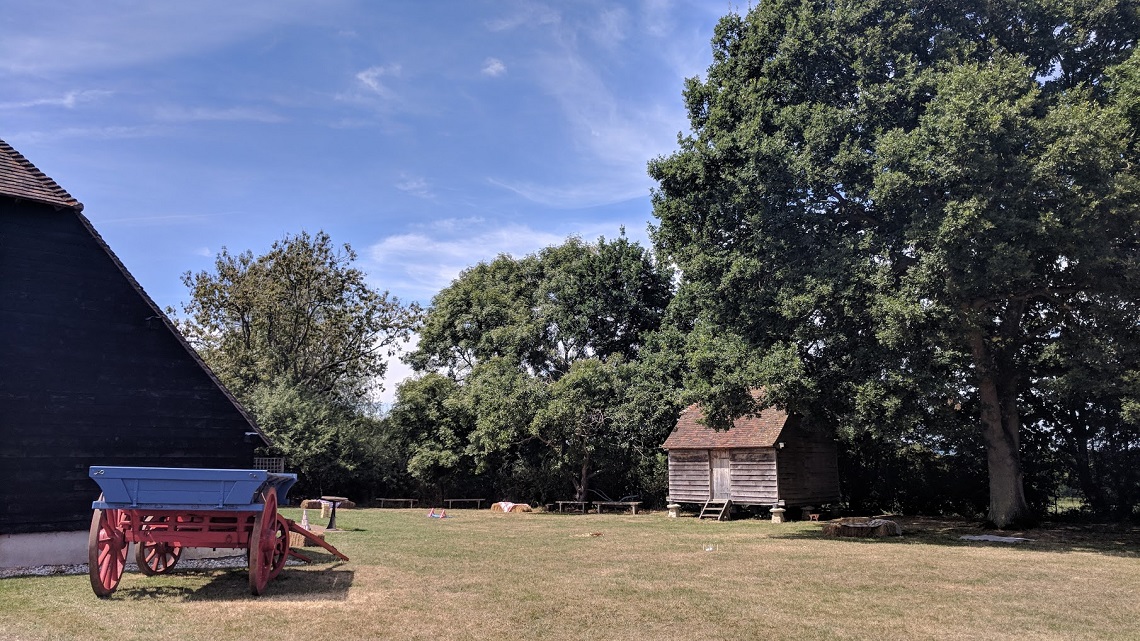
(169, 488)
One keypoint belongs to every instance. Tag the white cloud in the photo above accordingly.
(585, 193)
(68, 101)
(493, 67)
(424, 264)
(397, 373)
(421, 263)
(204, 251)
(112, 34)
(371, 76)
(415, 185)
(237, 114)
(455, 224)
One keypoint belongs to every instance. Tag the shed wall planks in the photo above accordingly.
(689, 476)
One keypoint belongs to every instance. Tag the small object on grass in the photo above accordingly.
(595, 533)
(442, 514)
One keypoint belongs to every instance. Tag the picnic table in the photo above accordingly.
(451, 503)
(573, 506)
(398, 502)
(632, 505)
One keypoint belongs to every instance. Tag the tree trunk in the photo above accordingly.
(584, 484)
(1001, 425)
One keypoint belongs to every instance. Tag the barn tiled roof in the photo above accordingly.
(20, 179)
(747, 431)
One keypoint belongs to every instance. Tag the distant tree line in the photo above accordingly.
(918, 222)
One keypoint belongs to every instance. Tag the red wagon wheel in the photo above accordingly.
(157, 558)
(268, 544)
(106, 551)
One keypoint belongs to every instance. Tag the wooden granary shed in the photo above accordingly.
(91, 370)
(763, 460)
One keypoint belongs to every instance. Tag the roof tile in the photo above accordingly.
(761, 430)
(19, 178)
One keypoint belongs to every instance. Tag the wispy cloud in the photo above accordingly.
(455, 224)
(69, 100)
(613, 128)
(167, 219)
(494, 67)
(111, 132)
(528, 14)
(397, 372)
(415, 185)
(580, 194)
(610, 29)
(198, 114)
(203, 251)
(423, 262)
(371, 79)
(118, 34)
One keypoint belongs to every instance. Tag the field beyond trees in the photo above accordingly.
(480, 575)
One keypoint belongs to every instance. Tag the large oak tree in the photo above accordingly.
(887, 209)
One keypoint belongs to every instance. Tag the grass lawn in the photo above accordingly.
(481, 575)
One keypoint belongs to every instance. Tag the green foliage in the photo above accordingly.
(885, 209)
(300, 312)
(301, 339)
(545, 311)
(541, 355)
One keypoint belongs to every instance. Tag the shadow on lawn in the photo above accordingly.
(1122, 540)
(294, 583)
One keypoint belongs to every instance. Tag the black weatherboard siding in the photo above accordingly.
(91, 373)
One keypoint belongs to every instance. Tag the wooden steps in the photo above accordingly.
(716, 508)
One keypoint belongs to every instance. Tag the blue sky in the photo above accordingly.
(428, 135)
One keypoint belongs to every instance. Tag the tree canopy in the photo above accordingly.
(886, 211)
(302, 340)
(540, 350)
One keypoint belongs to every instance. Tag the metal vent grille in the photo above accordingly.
(269, 464)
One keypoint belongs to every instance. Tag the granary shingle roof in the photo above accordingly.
(747, 431)
(19, 178)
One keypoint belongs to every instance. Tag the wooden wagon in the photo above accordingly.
(163, 510)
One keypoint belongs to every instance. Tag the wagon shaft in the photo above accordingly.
(312, 538)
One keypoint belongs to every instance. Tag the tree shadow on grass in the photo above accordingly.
(1111, 539)
(294, 583)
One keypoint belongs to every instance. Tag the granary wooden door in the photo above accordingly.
(721, 478)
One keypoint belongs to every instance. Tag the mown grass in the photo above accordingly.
(542, 576)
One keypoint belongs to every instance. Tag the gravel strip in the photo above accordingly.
(81, 568)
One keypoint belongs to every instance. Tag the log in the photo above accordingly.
(862, 527)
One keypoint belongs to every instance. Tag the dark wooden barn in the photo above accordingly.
(91, 371)
(761, 460)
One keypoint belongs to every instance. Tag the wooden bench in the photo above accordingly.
(398, 502)
(632, 505)
(574, 506)
(451, 503)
